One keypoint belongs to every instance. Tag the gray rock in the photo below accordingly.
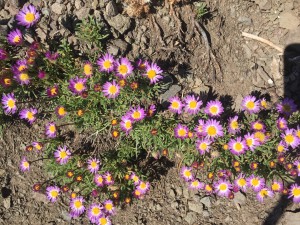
(41, 34)
(66, 216)
(39, 197)
(120, 44)
(82, 13)
(228, 219)
(174, 205)
(120, 22)
(113, 50)
(239, 198)
(174, 89)
(171, 193)
(7, 202)
(2, 4)
(205, 213)
(195, 207)
(95, 4)
(45, 12)
(78, 4)
(158, 207)
(186, 193)
(264, 4)
(111, 9)
(103, 3)
(191, 217)
(288, 20)
(206, 201)
(58, 8)
(178, 191)
(245, 20)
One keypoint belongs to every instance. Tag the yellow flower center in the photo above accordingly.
(100, 180)
(187, 173)
(62, 154)
(29, 17)
(77, 204)
(260, 136)
(234, 125)
(275, 187)
(223, 187)
(263, 192)
(106, 64)
(94, 164)
(26, 164)
(21, 68)
(52, 128)
(61, 111)
(96, 211)
(238, 146)
(24, 76)
(175, 105)
(136, 115)
(108, 178)
(11, 103)
(298, 133)
(54, 194)
(208, 188)
(108, 206)
(296, 192)
(181, 132)
(87, 69)
(30, 115)
(249, 142)
(280, 148)
(255, 182)
(193, 104)
(128, 124)
(289, 138)
(143, 185)
(203, 146)
(123, 69)
(195, 183)
(263, 104)
(7, 81)
(242, 182)
(17, 39)
(103, 221)
(112, 89)
(151, 74)
(250, 105)
(79, 86)
(135, 179)
(213, 110)
(53, 91)
(258, 126)
(212, 131)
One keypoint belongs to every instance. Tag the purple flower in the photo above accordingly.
(123, 68)
(28, 114)
(295, 193)
(28, 16)
(106, 63)
(52, 91)
(222, 187)
(108, 207)
(94, 212)
(153, 72)
(286, 107)
(277, 186)
(52, 56)
(233, 125)
(111, 89)
(250, 104)
(103, 220)
(60, 111)
(199, 128)
(214, 108)
(126, 123)
(41, 74)
(196, 184)
(192, 104)
(108, 178)
(281, 123)
(9, 103)
(256, 183)
(213, 129)
(181, 131)
(290, 138)
(251, 141)
(137, 114)
(22, 78)
(241, 182)
(99, 180)
(50, 130)
(24, 165)
(175, 105)
(143, 187)
(186, 173)
(93, 165)
(52, 193)
(238, 146)
(264, 192)
(88, 69)
(3, 54)
(15, 37)
(20, 66)
(62, 155)
(77, 85)
(203, 145)
(258, 126)
(76, 205)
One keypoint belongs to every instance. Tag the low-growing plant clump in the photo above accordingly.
(221, 151)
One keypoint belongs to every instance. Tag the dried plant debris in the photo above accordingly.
(137, 8)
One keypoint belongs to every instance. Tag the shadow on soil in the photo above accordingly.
(291, 90)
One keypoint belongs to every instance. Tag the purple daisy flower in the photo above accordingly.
(261, 137)
(213, 129)
(103, 220)
(282, 123)
(134, 178)
(208, 188)
(287, 107)
(199, 128)
(28, 16)
(233, 125)
(143, 187)
(62, 155)
(251, 141)
(50, 130)
(37, 145)
(137, 114)
(264, 192)
(258, 126)
(60, 111)
(153, 72)
(181, 131)
(256, 183)
(186, 173)
(52, 91)
(126, 123)
(52, 56)
(52, 193)
(297, 164)
(88, 69)
(108, 207)
(77, 85)
(192, 104)
(151, 110)
(263, 103)
(77, 206)
(28, 114)
(222, 187)
(9, 103)
(281, 147)
(20, 66)
(141, 64)
(175, 105)
(111, 89)
(106, 63)
(99, 180)
(22, 78)
(214, 108)
(24, 165)
(94, 212)
(93, 165)
(15, 37)
(203, 145)
(3, 54)
(250, 104)
(241, 182)
(295, 193)
(238, 146)
(41, 74)
(196, 184)
(277, 186)
(290, 138)
(123, 68)
(108, 179)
